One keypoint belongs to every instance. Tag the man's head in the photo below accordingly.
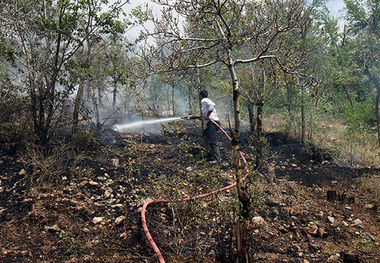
(203, 94)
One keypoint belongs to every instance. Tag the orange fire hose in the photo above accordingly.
(143, 211)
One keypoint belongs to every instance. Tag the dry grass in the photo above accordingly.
(371, 184)
(355, 150)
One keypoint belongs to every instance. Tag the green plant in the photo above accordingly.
(365, 244)
(74, 245)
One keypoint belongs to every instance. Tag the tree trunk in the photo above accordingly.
(243, 218)
(77, 103)
(259, 135)
(378, 109)
(251, 115)
(173, 100)
(303, 118)
(290, 95)
(348, 95)
(114, 93)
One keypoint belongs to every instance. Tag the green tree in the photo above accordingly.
(45, 35)
(363, 23)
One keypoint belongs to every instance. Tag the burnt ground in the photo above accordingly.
(83, 204)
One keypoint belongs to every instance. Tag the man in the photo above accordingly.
(209, 133)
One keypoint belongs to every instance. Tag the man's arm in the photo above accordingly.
(208, 113)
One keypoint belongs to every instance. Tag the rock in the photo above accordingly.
(93, 183)
(369, 206)
(107, 193)
(334, 258)
(97, 220)
(2, 210)
(116, 162)
(345, 223)
(357, 222)
(54, 228)
(22, 172)
(258, 221)
(331, 219)
(312, 228)
(119, 220)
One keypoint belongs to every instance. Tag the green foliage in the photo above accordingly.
(74, 245)
(360, 118)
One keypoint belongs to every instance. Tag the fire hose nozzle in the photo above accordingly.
(187, 117)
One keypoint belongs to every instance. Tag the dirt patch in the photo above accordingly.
(315, 211)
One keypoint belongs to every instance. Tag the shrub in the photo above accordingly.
(84, 140)
(15, 126)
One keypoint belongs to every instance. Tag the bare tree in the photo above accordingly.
(215, 31)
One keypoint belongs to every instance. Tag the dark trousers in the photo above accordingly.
(210, 140)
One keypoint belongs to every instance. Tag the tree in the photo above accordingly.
(215, 32)
(45, 36)
(363, 19)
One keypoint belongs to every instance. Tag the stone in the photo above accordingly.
(331, 219)
(119, 220)
(312, 228)
(54, 228)
(357, 222)
(97, 220)
(258, 221)
(369, 206)
(334, 258)
(93, 183)
(116, 162)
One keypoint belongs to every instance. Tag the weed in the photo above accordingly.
(74, 245)
(365, 245)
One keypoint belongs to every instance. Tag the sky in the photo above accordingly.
(335, 6)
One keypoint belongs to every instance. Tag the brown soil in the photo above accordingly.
(313, 210)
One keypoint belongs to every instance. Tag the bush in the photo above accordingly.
(16, 129)
(84, 140)
(360, 118)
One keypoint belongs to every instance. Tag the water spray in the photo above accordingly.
(128, 125)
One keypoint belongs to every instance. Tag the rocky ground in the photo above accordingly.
(84, 205)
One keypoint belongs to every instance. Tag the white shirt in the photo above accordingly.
(209, 105)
